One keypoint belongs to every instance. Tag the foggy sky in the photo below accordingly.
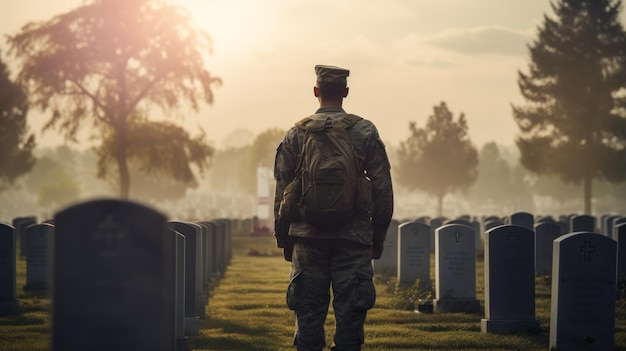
(405, 56)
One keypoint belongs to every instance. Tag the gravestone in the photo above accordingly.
(545, 233)
(582, 314)
(522, 219)
(212, 268)
(227, 241)
(564, 227)
(414, 255)
(39, 245)
(206, 255)
(181, 339)
(422, 219)
(20, 224)
(387, 265)
(541, 219)
(9, 304)
(617, 221)
(194, 301)
(567, 219)
(434, 224)
(458, 221)
(455, 269)
(220, 237)
(607, 225)
(204, 231)
(583, 223)
(114, 278)
(477, 237)
(509, 281)
(490, 224)
(621, 253)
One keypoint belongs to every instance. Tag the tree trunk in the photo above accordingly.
(122, 128)
(122, 159)
(122, 165)
(587, 194)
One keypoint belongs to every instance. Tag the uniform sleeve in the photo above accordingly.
(378, 170)
(285, 165)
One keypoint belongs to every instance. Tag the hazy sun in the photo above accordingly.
(232, 24)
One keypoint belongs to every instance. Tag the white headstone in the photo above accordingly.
(39, 248)
(181, 339)
(522, 219)
(388, 262)
(509, 281)
(582, 315)
(414, 254)
(545, 234)
(194, 303)
(583, 223)
(455, 269)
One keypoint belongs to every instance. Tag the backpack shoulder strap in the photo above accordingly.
(348, 120)
(303, 122)
(310, 123)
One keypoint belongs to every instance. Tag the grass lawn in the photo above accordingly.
(247, 311)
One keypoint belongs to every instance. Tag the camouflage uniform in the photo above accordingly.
(341, 257)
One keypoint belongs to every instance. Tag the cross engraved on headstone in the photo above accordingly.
(587, 249)
(109, 235)
(457, 235)
(511, 238)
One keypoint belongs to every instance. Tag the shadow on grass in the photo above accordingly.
(228, 335)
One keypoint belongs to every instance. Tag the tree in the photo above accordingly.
(158, 150)
(500, 188)
(494, 179)
(573, 123)
(440, 158)
(110, 62)
(16, 146)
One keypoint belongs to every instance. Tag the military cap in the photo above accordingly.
(331, 74)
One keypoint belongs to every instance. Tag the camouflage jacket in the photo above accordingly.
(371, 152)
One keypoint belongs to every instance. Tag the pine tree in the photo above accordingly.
(573, 123)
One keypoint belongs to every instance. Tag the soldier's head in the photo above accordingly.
(332, 84)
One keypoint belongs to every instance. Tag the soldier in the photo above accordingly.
(340, 256)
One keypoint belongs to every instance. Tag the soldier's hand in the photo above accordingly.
(288, 251)
(377, 250)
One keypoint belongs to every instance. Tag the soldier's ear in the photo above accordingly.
(316, 91)
(347, 91)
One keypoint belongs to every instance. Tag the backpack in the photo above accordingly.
(328, 175)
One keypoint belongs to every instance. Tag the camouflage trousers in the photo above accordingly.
(318, 265)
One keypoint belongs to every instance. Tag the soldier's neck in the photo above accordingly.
(331, 103)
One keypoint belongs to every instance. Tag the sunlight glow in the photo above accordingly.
(234, 25)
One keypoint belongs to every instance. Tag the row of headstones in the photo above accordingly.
(567, 224)
(583, 284)
(122, 277)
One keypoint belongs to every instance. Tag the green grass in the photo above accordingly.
(247, 311)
